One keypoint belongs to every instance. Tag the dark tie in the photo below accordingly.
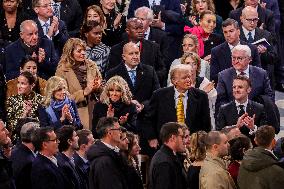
(241, 110)
(132, 75)
(250, 39)
(242, 74)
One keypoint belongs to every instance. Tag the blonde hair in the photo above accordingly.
(116, 82)
(54, 84)
(210, 5)
(67, 54)
(198, 146)
(194, 57)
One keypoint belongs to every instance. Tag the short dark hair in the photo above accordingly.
(169, 129)
(26, 59)
(83, 136)
(87, 27)
(264, 135)
(64, 134)
(41, 135)
(243, 78)
(31, 79)
(103, 124)
(237, 147)
(229, 22)
(213, 137)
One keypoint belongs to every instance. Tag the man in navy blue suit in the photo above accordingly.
(30, 44)
(241, 57)
(221, 55)
(50, 26)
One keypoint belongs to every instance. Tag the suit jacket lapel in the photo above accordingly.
(232, 75)
(234, 112)
(252, 77)
(126, 76)
(242, 35)
(170, 105)
(227, 53)
(139, 77)
(191, 107)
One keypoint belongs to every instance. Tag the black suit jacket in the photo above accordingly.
(228, 115)
(162, 110)
(221, 59)
(2, 94)
(265, 17)
(146, 81)
(82, 169)
(150, 55)
(46, 175)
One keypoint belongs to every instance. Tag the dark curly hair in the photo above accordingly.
(238, 146)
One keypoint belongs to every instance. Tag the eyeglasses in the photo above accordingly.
(52, 140)
(251, 20)
(238, 58)
(115, 129)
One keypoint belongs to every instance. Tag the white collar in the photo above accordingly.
(245, 104)
(246, 32)
(129, 69)
(42, 22)
(178, 93)
(52, 159)
(147, 33)
(231, 46)
(246, 71)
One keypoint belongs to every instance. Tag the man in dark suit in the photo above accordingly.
(250, 33)
(149, 52)
(68, 143)
(71, 13)
(82, 164)
(30, 44)
(2, 93)
(181, 103)
(247, 115)
(50, 26)
(266, 19)
(221, 55)
(166, 171)
(23, 156)
(45, 172)
(240, 61)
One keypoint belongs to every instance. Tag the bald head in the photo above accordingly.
(131, 55)
(249, 18)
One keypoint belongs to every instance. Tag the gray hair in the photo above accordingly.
(248, 9)
(244, 48)
(178, 67)
(150, 14)
(23, 24)
(27, 131)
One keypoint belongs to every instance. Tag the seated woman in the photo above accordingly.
(197, 156)
(24, 104)
(95, 13)
(82, 76)
(204, 32)
(58, 109)
(190, 44)
(91, 33)
(197, 7)
(28, 63)
(115, 101)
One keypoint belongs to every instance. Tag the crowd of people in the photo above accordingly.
(133, 94)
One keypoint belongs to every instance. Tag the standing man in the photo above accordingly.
(106, 161)
(166, 170)
(213, 173)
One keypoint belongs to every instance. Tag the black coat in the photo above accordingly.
(22, 159)
(162, 110)
(166, 170)
(82, 169)
(120, 109)
(150, 55)
(108, 168)
(46, 175)
(2, 94)
(134, 179)
(6, 172)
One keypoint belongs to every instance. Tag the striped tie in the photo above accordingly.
(180, 109)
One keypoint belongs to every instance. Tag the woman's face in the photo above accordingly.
(79, 53)
(10, 5)
(108, 4)
(135, 148)
(31, 67)
(186, 138)
(92, 15)
(95, 35)
(201, 5)
(59, 94)
(23, 85)
(115, 94)
(188, 45)
(208, 23)
(190, 61)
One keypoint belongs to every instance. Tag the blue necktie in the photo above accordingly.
(45, 25)
(250, 39)
(132, 75)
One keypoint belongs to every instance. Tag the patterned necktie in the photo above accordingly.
(132, 75)
(46, 26)
(250, 39)
(180, 109)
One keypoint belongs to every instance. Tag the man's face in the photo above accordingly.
(240, 60)
(252, 3)
(135, 30)
(182, 79)
(142, 15)
(115, 133)
(131, 56)
(44, 9)
(3, 134)
(179, 141)
(74, 141)
(223, 147)
(231, 34)
(51, 146)
(241, 90)
(30, 34)
(123, 145)
(91, 141)
(249, 20)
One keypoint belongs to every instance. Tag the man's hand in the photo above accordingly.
(53, 27)
(249, 122)
(123, 119)
(241, 121)
(41, 55)
(110, 111)
(158, 22)
(261, 49)
(139, 107)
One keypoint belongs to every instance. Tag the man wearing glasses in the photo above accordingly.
(45, 172)
(105, 159)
